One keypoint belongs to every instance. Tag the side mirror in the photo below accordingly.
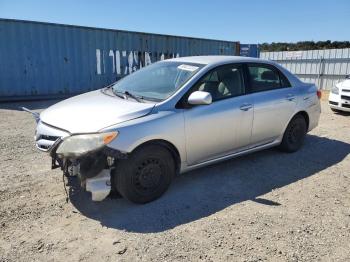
(200, 98)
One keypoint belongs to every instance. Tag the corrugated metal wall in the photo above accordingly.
(249, 50)
(40, 60)
(323, 67)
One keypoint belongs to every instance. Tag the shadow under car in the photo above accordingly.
(203, 192)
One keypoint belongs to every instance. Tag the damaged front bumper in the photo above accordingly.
(94, 169)
(100, 185)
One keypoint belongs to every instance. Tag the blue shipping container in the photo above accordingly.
(249, 50)
(45, 60)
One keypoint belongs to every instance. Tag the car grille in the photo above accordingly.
(47, 135)
(346, 105)
(44, 142)
(345, 97)
(333, 103)
(346, 90)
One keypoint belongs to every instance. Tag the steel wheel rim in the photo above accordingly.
(148, 176)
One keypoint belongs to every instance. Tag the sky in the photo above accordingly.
(249, 22)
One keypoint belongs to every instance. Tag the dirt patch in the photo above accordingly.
(265, 206)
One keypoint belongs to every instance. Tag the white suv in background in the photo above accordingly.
(339, 97)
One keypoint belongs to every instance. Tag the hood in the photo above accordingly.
(344, 84)
(93, 111)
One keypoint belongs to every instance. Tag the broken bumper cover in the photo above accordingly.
(95, 177)
(92, 167)
(100, 185)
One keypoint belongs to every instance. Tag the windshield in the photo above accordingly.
(157, 81)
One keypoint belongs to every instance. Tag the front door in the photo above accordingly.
(224, 126)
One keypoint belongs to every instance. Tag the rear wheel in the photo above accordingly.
(294, 135)
(145, 175)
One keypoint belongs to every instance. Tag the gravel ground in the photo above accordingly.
(268, 206)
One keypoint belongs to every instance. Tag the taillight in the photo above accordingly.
(319, 94)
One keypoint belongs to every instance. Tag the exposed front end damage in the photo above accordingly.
(93, 167)
(100, 185)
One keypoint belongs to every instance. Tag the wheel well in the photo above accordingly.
(169, 146)
(306, 117)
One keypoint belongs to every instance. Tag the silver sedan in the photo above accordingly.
(176, 115)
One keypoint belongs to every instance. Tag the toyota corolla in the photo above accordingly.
(173, 116)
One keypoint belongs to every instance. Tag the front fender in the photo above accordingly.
(164, 125)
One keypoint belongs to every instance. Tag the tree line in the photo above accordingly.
(303, 45)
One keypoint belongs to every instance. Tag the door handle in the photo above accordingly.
(246, 107)
(290, 97)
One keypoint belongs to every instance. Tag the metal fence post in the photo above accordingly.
(321, 73)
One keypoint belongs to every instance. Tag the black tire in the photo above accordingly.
(294, 135)
(145, 175)
(336, 110)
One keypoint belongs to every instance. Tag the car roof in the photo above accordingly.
(218, 59)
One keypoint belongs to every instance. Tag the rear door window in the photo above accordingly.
(265, 77)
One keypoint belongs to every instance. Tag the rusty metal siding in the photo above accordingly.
(323, 67)
(41, 60)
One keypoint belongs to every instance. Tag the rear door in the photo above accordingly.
(274, 102)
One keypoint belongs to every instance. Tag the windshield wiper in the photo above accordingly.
(103, 90)
(133, 96)
(127, 93)
(118, 95)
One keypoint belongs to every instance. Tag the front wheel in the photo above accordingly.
(145, 175)
(294, 135)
